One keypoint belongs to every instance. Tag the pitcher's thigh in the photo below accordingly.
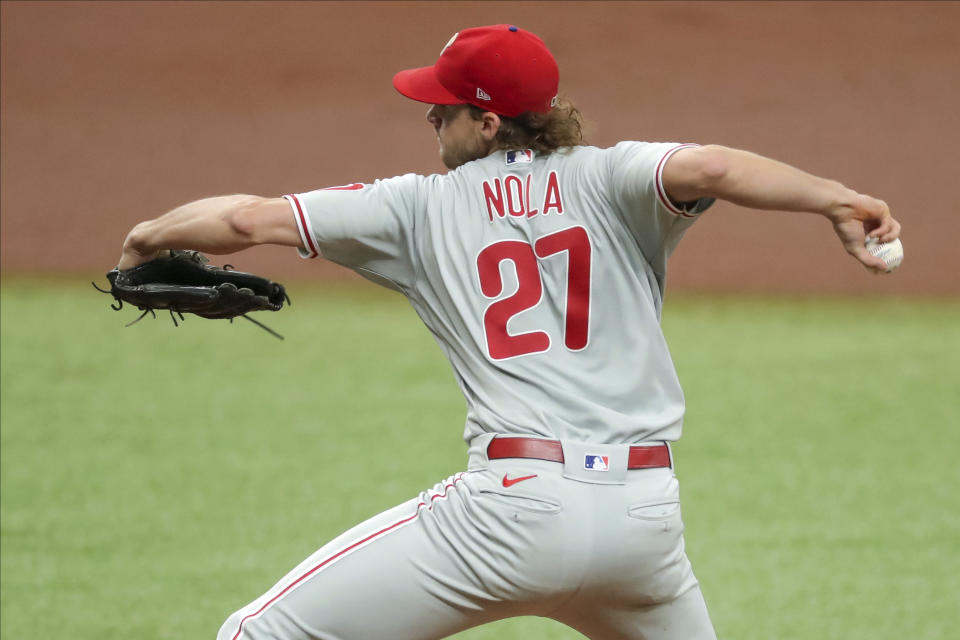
(684, 618)
(388, 577)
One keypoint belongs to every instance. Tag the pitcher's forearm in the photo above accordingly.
(753, 181)
(223, 224)
(209, 225)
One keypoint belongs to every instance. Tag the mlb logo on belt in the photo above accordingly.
(596, 463)
(525, 155)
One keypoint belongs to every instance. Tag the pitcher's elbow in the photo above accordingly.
(242, 216)
(714, 165)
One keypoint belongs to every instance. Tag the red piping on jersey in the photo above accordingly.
(660, 191)
(338, 554)
(346, 187)
(302, 223)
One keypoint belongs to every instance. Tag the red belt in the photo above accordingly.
(653, 457)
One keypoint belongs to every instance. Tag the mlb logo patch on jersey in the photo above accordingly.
(524, 155)
(596, 463)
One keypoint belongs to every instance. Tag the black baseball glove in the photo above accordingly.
(184, 282)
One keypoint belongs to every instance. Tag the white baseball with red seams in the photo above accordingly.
(890, 252)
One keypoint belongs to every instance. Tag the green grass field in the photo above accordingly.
(155, 478)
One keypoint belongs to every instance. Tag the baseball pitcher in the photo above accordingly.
(539, 264)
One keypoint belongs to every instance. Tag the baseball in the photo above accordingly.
(890, 252)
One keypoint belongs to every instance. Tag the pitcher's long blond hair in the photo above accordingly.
(561, 127)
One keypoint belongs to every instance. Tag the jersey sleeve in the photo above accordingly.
(366, 227)
(635, 171)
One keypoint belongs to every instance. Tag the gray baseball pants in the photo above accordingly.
(601, 552)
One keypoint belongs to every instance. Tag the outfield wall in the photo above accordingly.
(115, 112)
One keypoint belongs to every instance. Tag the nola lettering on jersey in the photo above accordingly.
(511, 196)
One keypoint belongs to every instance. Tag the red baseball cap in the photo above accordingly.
(500, 68)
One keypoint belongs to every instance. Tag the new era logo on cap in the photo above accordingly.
(596, 463)
(482, 95)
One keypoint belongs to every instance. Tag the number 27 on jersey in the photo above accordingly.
(527, 260)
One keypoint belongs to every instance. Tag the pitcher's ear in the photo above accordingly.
(490, 125)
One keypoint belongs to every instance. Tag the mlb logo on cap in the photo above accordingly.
(513, 157)
(596, 463)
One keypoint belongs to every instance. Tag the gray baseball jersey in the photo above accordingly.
(541, 278)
